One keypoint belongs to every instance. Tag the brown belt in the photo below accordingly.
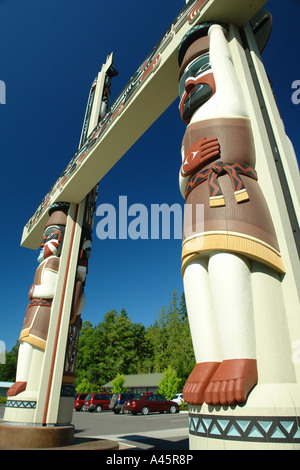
(40, 303)
(234, 170)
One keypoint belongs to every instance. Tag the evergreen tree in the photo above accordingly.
(115, 345)
(171, 340)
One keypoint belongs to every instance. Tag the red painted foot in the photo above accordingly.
(232, 382)
(193, 391)
(16, 388)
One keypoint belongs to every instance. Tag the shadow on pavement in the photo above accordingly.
(151, 443)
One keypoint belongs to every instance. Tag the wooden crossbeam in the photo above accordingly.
(151, 90)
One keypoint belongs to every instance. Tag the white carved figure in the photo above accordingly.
(218, 171)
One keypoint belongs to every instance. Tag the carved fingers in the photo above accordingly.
(200, 153)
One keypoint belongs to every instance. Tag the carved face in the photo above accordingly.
(51, 242)
(196, 86)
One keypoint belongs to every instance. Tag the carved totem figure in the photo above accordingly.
(111, 72)
(78, 304)
(218, 171)
(36, 323)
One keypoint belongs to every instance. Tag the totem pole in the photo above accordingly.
(221, 262)
(40, 404)
(87, 228)
(78, 304)
(33, 337)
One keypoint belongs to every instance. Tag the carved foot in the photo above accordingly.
(193, 391)
(16, 388)
(232, 382)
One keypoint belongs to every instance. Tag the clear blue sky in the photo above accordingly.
(50, 53)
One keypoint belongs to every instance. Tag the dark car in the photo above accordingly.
(97, 402)
(145, 403)
(79, 400)
(118, 399)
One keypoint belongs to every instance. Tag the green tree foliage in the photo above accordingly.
(171, 340)
(86, 387)
(119, 346)
(169, 384)
(115, 345)
(119, 384)
(8, 370)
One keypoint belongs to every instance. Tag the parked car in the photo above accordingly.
(118, 399)
(178, 398)
(97, 402)
(145, 403)
(79, 400)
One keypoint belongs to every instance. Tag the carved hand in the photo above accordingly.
(200, 153)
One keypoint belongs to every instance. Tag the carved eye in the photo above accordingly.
(194, 69)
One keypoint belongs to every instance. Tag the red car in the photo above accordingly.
(145, 403)
(79, 401)
(97, 402)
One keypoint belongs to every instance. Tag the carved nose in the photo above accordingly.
(189, 85)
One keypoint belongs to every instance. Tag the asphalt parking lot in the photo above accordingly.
(152, 432)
